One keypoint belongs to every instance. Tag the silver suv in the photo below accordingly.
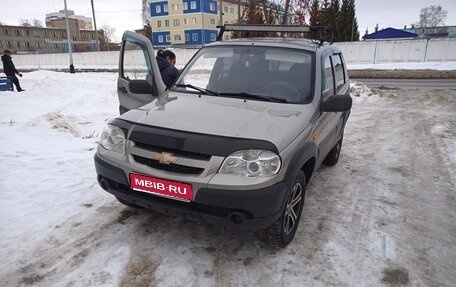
(238, 135)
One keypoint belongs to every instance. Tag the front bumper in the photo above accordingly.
(250, 209)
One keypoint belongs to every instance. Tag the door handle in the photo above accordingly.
(122, 89)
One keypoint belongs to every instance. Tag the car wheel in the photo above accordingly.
(282, 232)
(333, 156)
(129, 204)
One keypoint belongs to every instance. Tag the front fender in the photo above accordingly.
(301, 155)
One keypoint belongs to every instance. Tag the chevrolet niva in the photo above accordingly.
(238, 135)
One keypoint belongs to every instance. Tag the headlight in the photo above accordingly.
(112, 138)
(252, 163)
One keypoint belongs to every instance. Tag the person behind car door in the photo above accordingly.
(166, 62)
(10, 70)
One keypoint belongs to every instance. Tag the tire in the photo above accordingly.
(333, 156)
(282, 232)
(129, 204)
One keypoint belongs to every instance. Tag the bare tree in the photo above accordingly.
(432, 16)
(30, 23)
(25, 22)
(107, 37)
(285, 19)
(37, 23)
(145, 14)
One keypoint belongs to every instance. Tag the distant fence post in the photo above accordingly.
(426, 49)
(375, 53)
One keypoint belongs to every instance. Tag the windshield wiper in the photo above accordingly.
(203, 90)
(253, 96)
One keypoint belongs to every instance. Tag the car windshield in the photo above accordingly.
(252, 72)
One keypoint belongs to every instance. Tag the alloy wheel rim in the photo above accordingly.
(292, 209)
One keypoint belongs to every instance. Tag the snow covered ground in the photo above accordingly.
(383, 216)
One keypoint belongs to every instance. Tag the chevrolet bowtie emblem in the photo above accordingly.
(166, 158)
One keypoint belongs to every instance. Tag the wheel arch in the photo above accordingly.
(304, 159)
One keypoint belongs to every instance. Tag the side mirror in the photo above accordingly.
(337, 103)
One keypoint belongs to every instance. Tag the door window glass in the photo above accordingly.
(327, 79)
(136, 61)
(338, 71)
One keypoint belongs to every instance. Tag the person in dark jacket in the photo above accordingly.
(10, 70)
(166, 62)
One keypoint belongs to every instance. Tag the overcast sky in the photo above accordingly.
(126, 14)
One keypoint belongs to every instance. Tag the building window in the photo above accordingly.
(177, 38)
(36, 33)
(185, 21)
(6, 31)
(212, 6)
(232, 10)
(27, 44)
(18, 44)
(193, 20)
(168, 38)
(185, 6)
(45, 33)
(159, 23)
(175, 7)
(8, 44)
(212, 21)
(27, 32)
(158, 9)
(187, 37)
(225, 9)
(160, 38)
(1, 44)
(166, 23)
(38, 44)
(194, 37)
(74, 38)
(53, 34)
(63, 35)
(193, 5)
(176, 22)
(56, 45)
(18, 33)
(165, 8)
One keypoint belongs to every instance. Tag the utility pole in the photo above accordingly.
(95, 26)
(221, 12)
(70, 48)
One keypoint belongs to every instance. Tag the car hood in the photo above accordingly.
(277, 123)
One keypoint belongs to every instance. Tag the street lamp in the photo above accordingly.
(95, 26)
(69, 39)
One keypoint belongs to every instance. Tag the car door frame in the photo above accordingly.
(127, 98)
(327, 121)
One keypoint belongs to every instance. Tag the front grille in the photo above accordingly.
(176, 168)
(178, 153)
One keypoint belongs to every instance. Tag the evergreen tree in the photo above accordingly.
(348, 25)
(355, 28)
(331, 17)
(366, 33)
(315, 14)
(324, 11)
(376, 28)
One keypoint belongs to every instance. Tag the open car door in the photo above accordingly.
(139, 80)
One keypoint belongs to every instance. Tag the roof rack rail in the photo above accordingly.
(319, 33)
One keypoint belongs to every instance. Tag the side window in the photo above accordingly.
(136, 62)
(338, 71)
(327, 78)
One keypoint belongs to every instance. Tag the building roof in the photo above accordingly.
(390, 33)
